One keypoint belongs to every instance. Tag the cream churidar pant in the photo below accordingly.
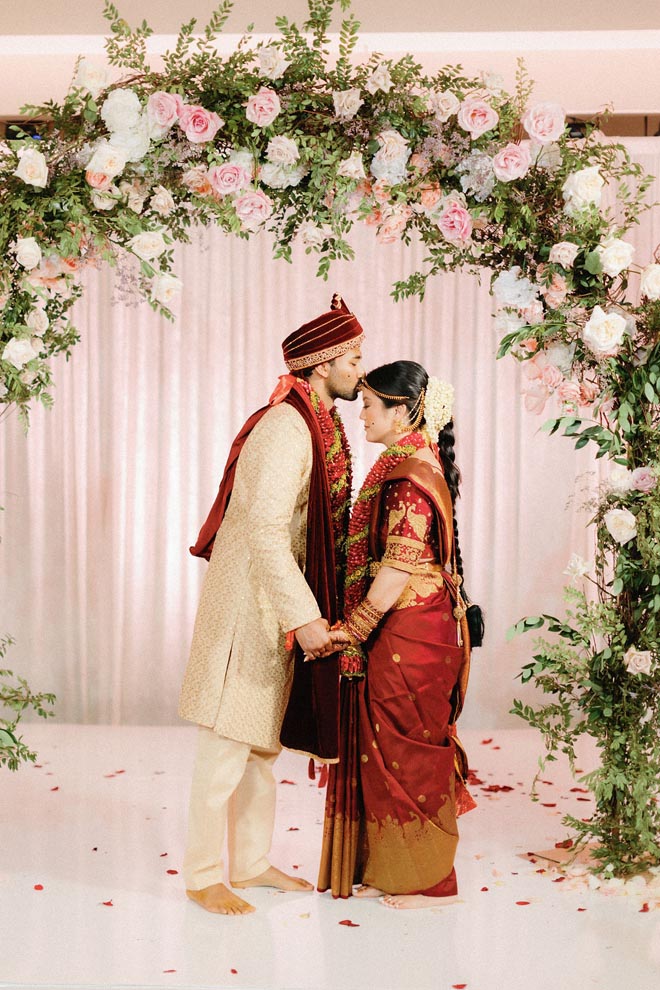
(232, 797)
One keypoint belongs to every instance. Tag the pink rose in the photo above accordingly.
(199, 124)
(588, 392)
(476, 116)
(196, 179)
(569, 391)
(394, 222)
(555, 293)
(430, 196)
(512, 162)
(228, 178)
(164, 108)
(98, 180)
(533, 313)
(253, 209)
(544, 122)
(644, 479)
(455, 223)
(552, 376)
(263, 107)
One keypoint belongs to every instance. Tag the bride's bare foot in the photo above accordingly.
(364, 890)
(219, 900)
(272, 877)
(402, 901)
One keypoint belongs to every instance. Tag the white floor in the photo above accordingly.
(90, 895)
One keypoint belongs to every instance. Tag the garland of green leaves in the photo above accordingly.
(285, 137)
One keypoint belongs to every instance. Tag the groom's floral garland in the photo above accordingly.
(357, 565)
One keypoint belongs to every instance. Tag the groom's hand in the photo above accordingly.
(314, 638)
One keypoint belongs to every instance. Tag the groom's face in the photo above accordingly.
(344, 375)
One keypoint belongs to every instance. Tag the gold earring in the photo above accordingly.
(401, 425)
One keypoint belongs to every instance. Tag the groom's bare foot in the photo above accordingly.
(272, 877)
(218, 899)
(404, 901)
(364, 890)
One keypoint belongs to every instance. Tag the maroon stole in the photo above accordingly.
(311, 720)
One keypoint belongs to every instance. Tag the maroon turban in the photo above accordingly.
(328, 336)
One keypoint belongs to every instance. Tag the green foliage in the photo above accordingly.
(16, 697)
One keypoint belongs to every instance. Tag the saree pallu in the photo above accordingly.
(408, 770)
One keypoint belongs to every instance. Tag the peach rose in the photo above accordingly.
(536, 396)
(455, 223)
(530, 344)
(197, 180)
(420, 162)
(533, 313)
(253, 209)
(544, 122)
(564, 253)
(228, 178)
(198, 124)
(552, 376)
(512, 162)
(569, 391)
(588, 392)
(430, 196)
(476, 116)
(394, 221)
(98, 180)
(555, 293)
(381, 191)
(263, 107)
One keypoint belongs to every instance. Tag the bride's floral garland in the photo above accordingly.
(340, 477)
(357, 564)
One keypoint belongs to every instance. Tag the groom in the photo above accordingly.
(274, 537)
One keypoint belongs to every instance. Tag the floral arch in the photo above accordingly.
(284, 137)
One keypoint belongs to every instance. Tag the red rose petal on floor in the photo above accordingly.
(582, 909)
(484, 742)
(169, 971)
(564, 844)
(287, 782)
(579, 790)
(458, 986)
(293, 828)
(559, 879)
(234, 971)
(496, 747)
(107, 904)
(120, 771)
(540, 871)
(483, 889)
(38, 886)
(349, 923)
(173, 873)
(163, 854)
(54, 788)
(493, 788)
(644, 908)
(548, 804)
(472, 778)
(522, 902)
(549, 783)
(106, 775)
(584, 799)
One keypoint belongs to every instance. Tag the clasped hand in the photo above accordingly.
(318, 640)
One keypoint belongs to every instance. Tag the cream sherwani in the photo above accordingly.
(239, 674)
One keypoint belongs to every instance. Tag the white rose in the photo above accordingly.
(638, 661)
(577, 567)
(615, 255)
(37, 321)
(19, 351)
(391, 171)
(28, 252)
(561, 355)
(564, 253)
(148, 245)
(281, 176)
(91, 76)
(121, 110)
(582, 189)
(620, 479)
(380, 78)
(134, 141)
(510, 289)
(352, 167)
(393, 145)
(245, 159)
(282, 150)
(603, 332)
(106, 200)
(621, 525)
(310, 234)
(507, 321)
(444, 105)
(347, 103)
(162, 202)
(271, 63)
(165, 288)
(108, 158)
(650, 284)
(32, 167)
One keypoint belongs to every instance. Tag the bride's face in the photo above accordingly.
(379, 419)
